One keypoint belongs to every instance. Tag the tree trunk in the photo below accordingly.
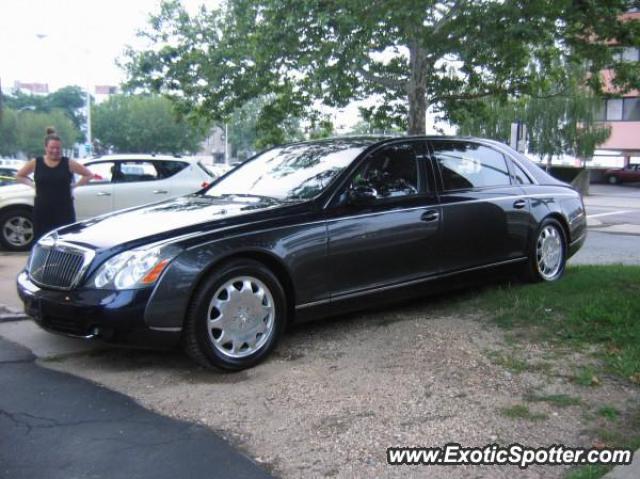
(417, 91)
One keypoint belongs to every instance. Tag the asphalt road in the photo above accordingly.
(55, 425)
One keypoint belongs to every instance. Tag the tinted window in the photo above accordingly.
(390, 172)
(169, 168)
(519, 175)
(293, 172)
(467, 165)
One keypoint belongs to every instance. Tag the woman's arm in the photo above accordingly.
(22, 176)
(81, 170)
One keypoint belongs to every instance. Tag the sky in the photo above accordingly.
(77, 42)
(69, 42)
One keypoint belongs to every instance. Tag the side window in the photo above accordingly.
(466, 165)
(389, 173)
(520, 177)
(131, 171)
(103, 172)
(167, 169)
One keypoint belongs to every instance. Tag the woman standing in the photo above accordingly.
(53, 181)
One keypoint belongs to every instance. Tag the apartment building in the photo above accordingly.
(622, 113)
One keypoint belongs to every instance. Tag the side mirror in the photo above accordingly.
(359, 195)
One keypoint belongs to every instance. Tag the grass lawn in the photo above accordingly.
(593, 308)
(591, 305)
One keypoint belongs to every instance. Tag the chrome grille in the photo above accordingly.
(58, 265)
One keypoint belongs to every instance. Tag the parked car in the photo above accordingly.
(120, 181)
(301, 231)
(629, 173)
(7, 175)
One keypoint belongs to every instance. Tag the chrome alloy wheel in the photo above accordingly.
(240, 318)
(18, 231)
(549, 252)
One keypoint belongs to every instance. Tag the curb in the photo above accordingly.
(7, 313)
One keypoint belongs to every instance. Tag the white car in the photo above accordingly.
(120, 181)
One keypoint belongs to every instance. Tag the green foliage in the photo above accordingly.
(70, 99)
(592, 305)
(560, 400)
(520, 411)
(408, 54)
(609, 412)
(560, 120)
(24, 131)
(589, 472)
(144, 124)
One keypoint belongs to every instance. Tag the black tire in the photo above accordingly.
(16, 229)
(613, 180)
(547, 253)
(207, 328)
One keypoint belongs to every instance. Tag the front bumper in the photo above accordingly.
(111, 316)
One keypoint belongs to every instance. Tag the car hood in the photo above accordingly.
(20, 190)
(160, 221)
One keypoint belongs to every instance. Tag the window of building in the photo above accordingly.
(631, 109)
(614, 109)
(619, 109)
(630, 54)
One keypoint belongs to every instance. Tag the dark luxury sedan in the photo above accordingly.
(301, 231)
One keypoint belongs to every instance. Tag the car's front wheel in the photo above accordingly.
(613, 179)
(547, 253)
(236, 316)
(16, 229)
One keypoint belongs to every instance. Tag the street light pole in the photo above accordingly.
(89, 140)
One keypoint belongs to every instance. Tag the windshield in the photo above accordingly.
(291, 173)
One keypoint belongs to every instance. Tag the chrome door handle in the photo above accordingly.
(430, 215)
(103, 193)
(160, 192)
(519, 204)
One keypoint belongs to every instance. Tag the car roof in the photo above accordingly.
(139, 157)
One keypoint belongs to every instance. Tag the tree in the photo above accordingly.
(70, 99)
(413, 55)
(556, 124)
(249, 131)
(24, 132)
(144, 124)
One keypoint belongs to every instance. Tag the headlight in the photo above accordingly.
(134, 269)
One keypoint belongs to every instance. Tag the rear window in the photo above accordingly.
(167, 169)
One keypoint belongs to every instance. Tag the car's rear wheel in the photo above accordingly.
(16, 229)
(547, 253)
(613, 180)
(236, 316)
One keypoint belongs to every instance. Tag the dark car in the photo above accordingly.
(629, 173)
(301, 231)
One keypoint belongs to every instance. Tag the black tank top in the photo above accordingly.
(53, 205)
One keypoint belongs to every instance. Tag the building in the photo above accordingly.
(31, 88)
(213, 147)
(622, 114)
